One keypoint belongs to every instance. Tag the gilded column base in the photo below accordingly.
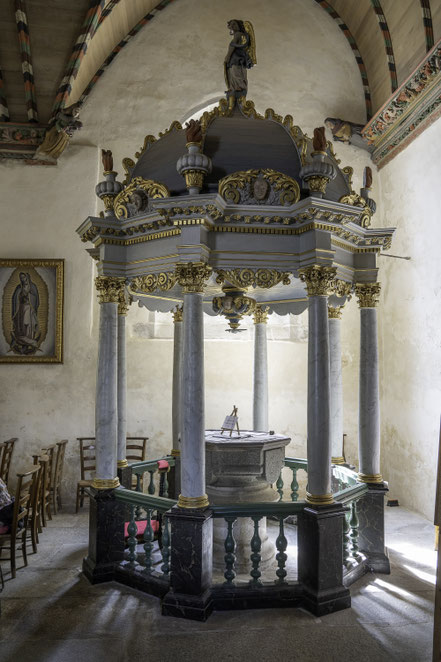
(337, 460)
(370, 478)
(193, 502)
(122, 463)
(319, 499)
(105, 483)
(175, 452)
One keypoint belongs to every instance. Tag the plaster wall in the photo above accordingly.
(168, 71)
(410, 320)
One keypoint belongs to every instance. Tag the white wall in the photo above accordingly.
(175, 64)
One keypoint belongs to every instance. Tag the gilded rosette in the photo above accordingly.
(318, 279)
(110, 288)
(368, 294)
(191, 276)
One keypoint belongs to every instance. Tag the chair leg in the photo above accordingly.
(77, 506)
(54, 500)
(13, 568)
(34, 536)
(49, 509)
(60, 505)
(23, 547)
(82, 497)
(1, 578)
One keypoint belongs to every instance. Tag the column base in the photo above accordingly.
(370, 510)
(320, 559)
(194, 607)
(106, 536)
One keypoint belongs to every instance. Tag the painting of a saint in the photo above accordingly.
(25, 328)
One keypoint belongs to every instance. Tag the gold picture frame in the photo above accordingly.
(31, 309)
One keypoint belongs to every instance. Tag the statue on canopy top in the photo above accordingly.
(241, 56)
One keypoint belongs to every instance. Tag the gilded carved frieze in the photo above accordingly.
(244, 278)
(259, 186)
(149, 283)
(135, 197)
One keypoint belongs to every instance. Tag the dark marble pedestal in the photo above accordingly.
(320, 559)
(125, 477)
(106, 536)
(174, 479)
(191, 565)
(370, 510)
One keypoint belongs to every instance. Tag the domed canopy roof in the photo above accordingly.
(235, 139)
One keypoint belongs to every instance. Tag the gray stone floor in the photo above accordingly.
(50, 613)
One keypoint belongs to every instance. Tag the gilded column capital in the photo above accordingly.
(110, 288)
(342, 288)
(318, 279)
(334, 312)
(367, 294)
(261, 315)
(178, 314)
(191, 276)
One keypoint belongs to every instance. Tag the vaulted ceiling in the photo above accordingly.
(53, 52)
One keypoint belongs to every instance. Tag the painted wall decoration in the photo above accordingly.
(31, 294)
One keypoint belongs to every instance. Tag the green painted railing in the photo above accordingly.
(152, 467)
(348, 495)
(256, 511)
(145, 507)
(294, 463)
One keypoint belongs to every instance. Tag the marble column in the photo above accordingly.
(318, 280)
(336, 384)
(122, 385)
(177, 369)
(260, 375)
(369, 396)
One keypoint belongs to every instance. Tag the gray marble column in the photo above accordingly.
(122, 386)
(106, 405)
(177, 369)
(318, 280)
(191, 277)
(369, 396)
(336, 383)
(260, 374)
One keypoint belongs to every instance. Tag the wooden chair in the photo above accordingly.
(25, 491)
(136, 451)
(34, 520)
(6, 456)
(45, 512)
(87, 465)
(58, 475)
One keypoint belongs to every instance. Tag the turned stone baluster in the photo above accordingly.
(255, 557)
(230, 557)
(151, 488)
(148, 543)
(132, 530)
(279, 486)
(165, 485)
(354, 524)
(294, 486)
(281, 557)
(165, 567)
(346, 541)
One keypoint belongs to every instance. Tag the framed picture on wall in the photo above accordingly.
(31, 297)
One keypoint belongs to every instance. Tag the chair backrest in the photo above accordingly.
(87, 457)
(24, 493)
(8, 449)
(59, 462)
(36, 501)
(44, 484)
(50, 451)
(136, 448)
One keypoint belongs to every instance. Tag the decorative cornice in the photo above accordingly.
(367, 294)
(244, 278)
(413, 107)
(318, 279)
(110, 288)
(191, 276)
(20, 141)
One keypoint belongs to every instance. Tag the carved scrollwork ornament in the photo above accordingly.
(150, 282)
(368, 294)
(259, 186)
(318, 279)
(244, 278)
(142, 188)
(109, 288)
(191, 276)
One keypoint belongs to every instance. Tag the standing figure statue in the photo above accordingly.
(25, 327)
(241, 56)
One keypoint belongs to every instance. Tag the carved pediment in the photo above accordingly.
(259, 187)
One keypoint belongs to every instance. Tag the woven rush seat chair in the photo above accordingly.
(87, 468)
(24, 494)
(136, 451)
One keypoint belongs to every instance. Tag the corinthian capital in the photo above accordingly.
(367, 294)
(110, 288)
(191, 276)
(318, 279)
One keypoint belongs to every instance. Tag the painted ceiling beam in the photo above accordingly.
(427, 22)
(4, 110)
(26, 60)
(344, 28)
(387, 43)
(107, 10)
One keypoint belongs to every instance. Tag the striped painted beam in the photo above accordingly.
(107, 10)
(347, 33)
(88, 29)
(4, 110)
(387, 43)
(427, 22)
(26, 60)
